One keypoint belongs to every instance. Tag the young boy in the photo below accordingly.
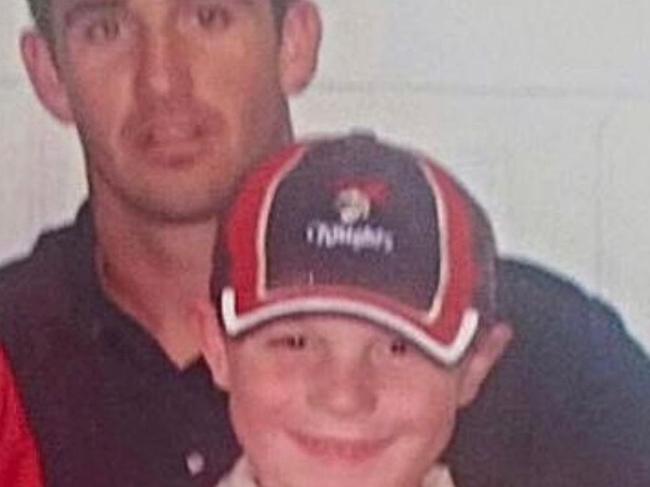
(354, 292)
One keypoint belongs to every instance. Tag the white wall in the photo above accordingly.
(541, 107)
(41, 170)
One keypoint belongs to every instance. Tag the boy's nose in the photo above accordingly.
(346, 390)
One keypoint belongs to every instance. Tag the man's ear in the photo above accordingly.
(213, 345)
(486, 352)
(300, 43)
(44, 75)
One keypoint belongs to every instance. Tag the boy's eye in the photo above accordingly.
(399, 347)
(290, 342)
(396, 351)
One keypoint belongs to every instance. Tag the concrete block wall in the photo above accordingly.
(542, 108)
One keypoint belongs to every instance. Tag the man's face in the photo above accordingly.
(331, 401)
(173, 99)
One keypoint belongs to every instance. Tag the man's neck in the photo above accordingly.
(155, 271)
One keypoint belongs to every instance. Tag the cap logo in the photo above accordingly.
(354, 205)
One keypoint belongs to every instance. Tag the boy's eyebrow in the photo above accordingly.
(81, 8)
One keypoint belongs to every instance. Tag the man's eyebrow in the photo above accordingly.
(81, 8)
(246, 3)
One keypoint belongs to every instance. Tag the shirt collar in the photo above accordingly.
(242, 475)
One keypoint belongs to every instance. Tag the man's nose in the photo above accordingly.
(344, 388)
(164, 65)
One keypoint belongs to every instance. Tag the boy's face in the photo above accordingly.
(332, 401)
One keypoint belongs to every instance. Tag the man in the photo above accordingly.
(173, 100)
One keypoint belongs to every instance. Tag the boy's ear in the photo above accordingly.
(45, 77)
(300, 43)
(487, 351)
(213, 345)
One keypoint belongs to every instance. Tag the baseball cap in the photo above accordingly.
(355, 226)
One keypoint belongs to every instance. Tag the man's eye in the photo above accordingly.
(212, 16)
(103, 30)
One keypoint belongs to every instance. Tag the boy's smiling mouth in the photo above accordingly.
(337, 449)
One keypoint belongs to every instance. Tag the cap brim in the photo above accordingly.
(447, 354)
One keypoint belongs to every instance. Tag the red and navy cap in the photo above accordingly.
(357, 227)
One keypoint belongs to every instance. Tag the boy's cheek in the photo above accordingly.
(265, 375)
(265, 391)
(424, 409)
(262, 411)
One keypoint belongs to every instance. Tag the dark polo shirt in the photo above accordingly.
(569, 405)
(107, 405)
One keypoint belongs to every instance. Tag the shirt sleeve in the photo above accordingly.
(569, 403)
(19, 460)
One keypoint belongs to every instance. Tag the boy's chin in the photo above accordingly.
(334, 465)
(333, 477)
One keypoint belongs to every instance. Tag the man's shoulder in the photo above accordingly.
(38, 287)
(42, 268)
(518, 275)
(530, 293)
(573, 343)
(567, 375)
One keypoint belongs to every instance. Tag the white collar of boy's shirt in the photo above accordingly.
(241, 475)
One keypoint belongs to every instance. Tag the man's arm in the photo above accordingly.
(593, 398)
(569, 405)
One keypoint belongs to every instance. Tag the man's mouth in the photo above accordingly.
(351, 450)
(170, 142)
(169, 133)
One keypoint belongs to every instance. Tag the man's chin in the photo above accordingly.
(183, 215)
(182, 192)
(174, 206)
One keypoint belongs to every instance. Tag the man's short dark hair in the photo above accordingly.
(40, 10)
